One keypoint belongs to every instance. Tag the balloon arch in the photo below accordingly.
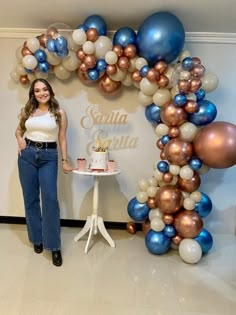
(172, 87)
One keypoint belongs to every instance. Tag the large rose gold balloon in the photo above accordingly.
(130, 51)
(188, 223)
(92, 34)
(169, 199)
(146, 226)
(131, 227)
(215, 144)
(178, 152)
(190, 185)
(168, 218)
(172, 115)
(107, 86)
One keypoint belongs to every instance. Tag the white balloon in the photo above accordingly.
(155, 213)
(189, 204)
(161, 130)
(71, 62)
(31, 77)
(132, 64)
(161, 97)
(174, 91)
(142, 196)
(41, 75)
(190, 251)
(158, 175)
(191, 96)
(157, 224)
(185, 194)
(111, 58)
(147, 87)
(209, 82)
(188, 131)
(52, 59)
(88, 47)
(151, 191)
(14, 75)
(186, 172)
(20, 70)
(102, 45)
(184, 75)
(61, 72)
(196, 196)
(127, 80)
(140, 62)
(169, 74)
(174, 169)
(143, 184)
(152, 181)
(33, 44)
(143, 99)
(29, 62)
(71, 44)
(204, 169)
(118, 76)
(19, 56)
(79, 36)
(174, 180)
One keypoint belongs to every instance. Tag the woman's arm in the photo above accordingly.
(63, 141)
(19, 133)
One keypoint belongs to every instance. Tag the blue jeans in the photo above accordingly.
(38, 170)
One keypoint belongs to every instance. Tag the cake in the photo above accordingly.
(99, 160)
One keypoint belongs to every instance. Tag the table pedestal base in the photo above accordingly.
(93, 224)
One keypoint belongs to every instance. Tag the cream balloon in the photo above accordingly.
(204, 169)
(185, 194)
(158, 175)
(14, 75)
(33, 44)
(186, 172)
(79, 36)
(29, 62)
(88, 47)
(147, 87)
(174, 169)
(188, 131)
(209, 82)
(143, 184)
(190, 251)
(196, 196)
(61, 72)
(71, 62)
(174, 91)
(20, 70)
(184, 75)
(127, 81)
(118, 76)
(161, 130)
(102, 45)
(31, 77)
(71, 44)
(191, 96)
(161, 97)
(143, 99)
(189, 203)
(140, 62)
(152, 181)
(157, 224)
(19, 56)
(52, 59)
(174, 180)
(111, 58)
(142, 196)
(155, 213)
(41, 75)
(151, 191)
(132, 64)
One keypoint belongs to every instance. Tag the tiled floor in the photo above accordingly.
(125, 280)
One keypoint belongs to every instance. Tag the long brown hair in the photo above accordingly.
(32, 104)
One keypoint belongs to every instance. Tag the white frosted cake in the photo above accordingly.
(99, 161)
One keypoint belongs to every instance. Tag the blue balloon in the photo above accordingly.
(44, 66)
(51, 45)
(61, 44)
(165, 139)
(124, 36)
(180, 99)
(62, 53)
(101, 65)
(153, 113)
(29, 70)
(204, 206)
(205, 240)
(200, 94)
(169, 231)
(163, 166)
(96, 21)
(137, 211)
(144, 70)
(93, 74)
(206, 113)
(187, 63)
(160, 37)
(157, 242)
(82, 27)
(195, 164)
(40, 55)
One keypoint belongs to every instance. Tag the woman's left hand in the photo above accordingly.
(66, 167)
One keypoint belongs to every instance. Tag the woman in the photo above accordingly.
(41, 123)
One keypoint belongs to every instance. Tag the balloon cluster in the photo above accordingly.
(172, 87)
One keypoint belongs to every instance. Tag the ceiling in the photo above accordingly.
(196, 16)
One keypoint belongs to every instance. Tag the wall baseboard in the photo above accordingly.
(70, 223)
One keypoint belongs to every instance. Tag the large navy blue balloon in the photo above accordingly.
(160, 37)
(204, 206)
(157, 242)
(205, 115)
(205, 240)
(124, 36)
(153, 113)
(96, 21)
(137, 211)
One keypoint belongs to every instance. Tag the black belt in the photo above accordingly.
(41, 145)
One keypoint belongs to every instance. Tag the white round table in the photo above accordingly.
(95, 222)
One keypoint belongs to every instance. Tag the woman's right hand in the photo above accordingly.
(21, 145)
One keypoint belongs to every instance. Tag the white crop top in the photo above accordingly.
(42, 128)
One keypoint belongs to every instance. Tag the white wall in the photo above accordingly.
(75, 192)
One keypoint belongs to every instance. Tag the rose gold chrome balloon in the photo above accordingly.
(167, 177)
(151, 203)
(196, 60)
(81, 54)
(191, 106)
(92, 34)
(42, 39)
(198, 70)
(90, 61)
(161, 67)
(107, 86)
(146, 226)
(178, 152)
(25, 51)
(184, 86)
(169, 199)
(163, 81)
(152, 75)
(118, 50)
(131, 227)
(188, 223)
(130, 51)
(190, 185)
(111, 69)
(172, 115)
(168, 218)
(123, 63)
(174, 132)
(136, 76)
(177, 239)
(195, 84)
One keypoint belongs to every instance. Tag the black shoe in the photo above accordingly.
(38, 248)
(56, 258)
